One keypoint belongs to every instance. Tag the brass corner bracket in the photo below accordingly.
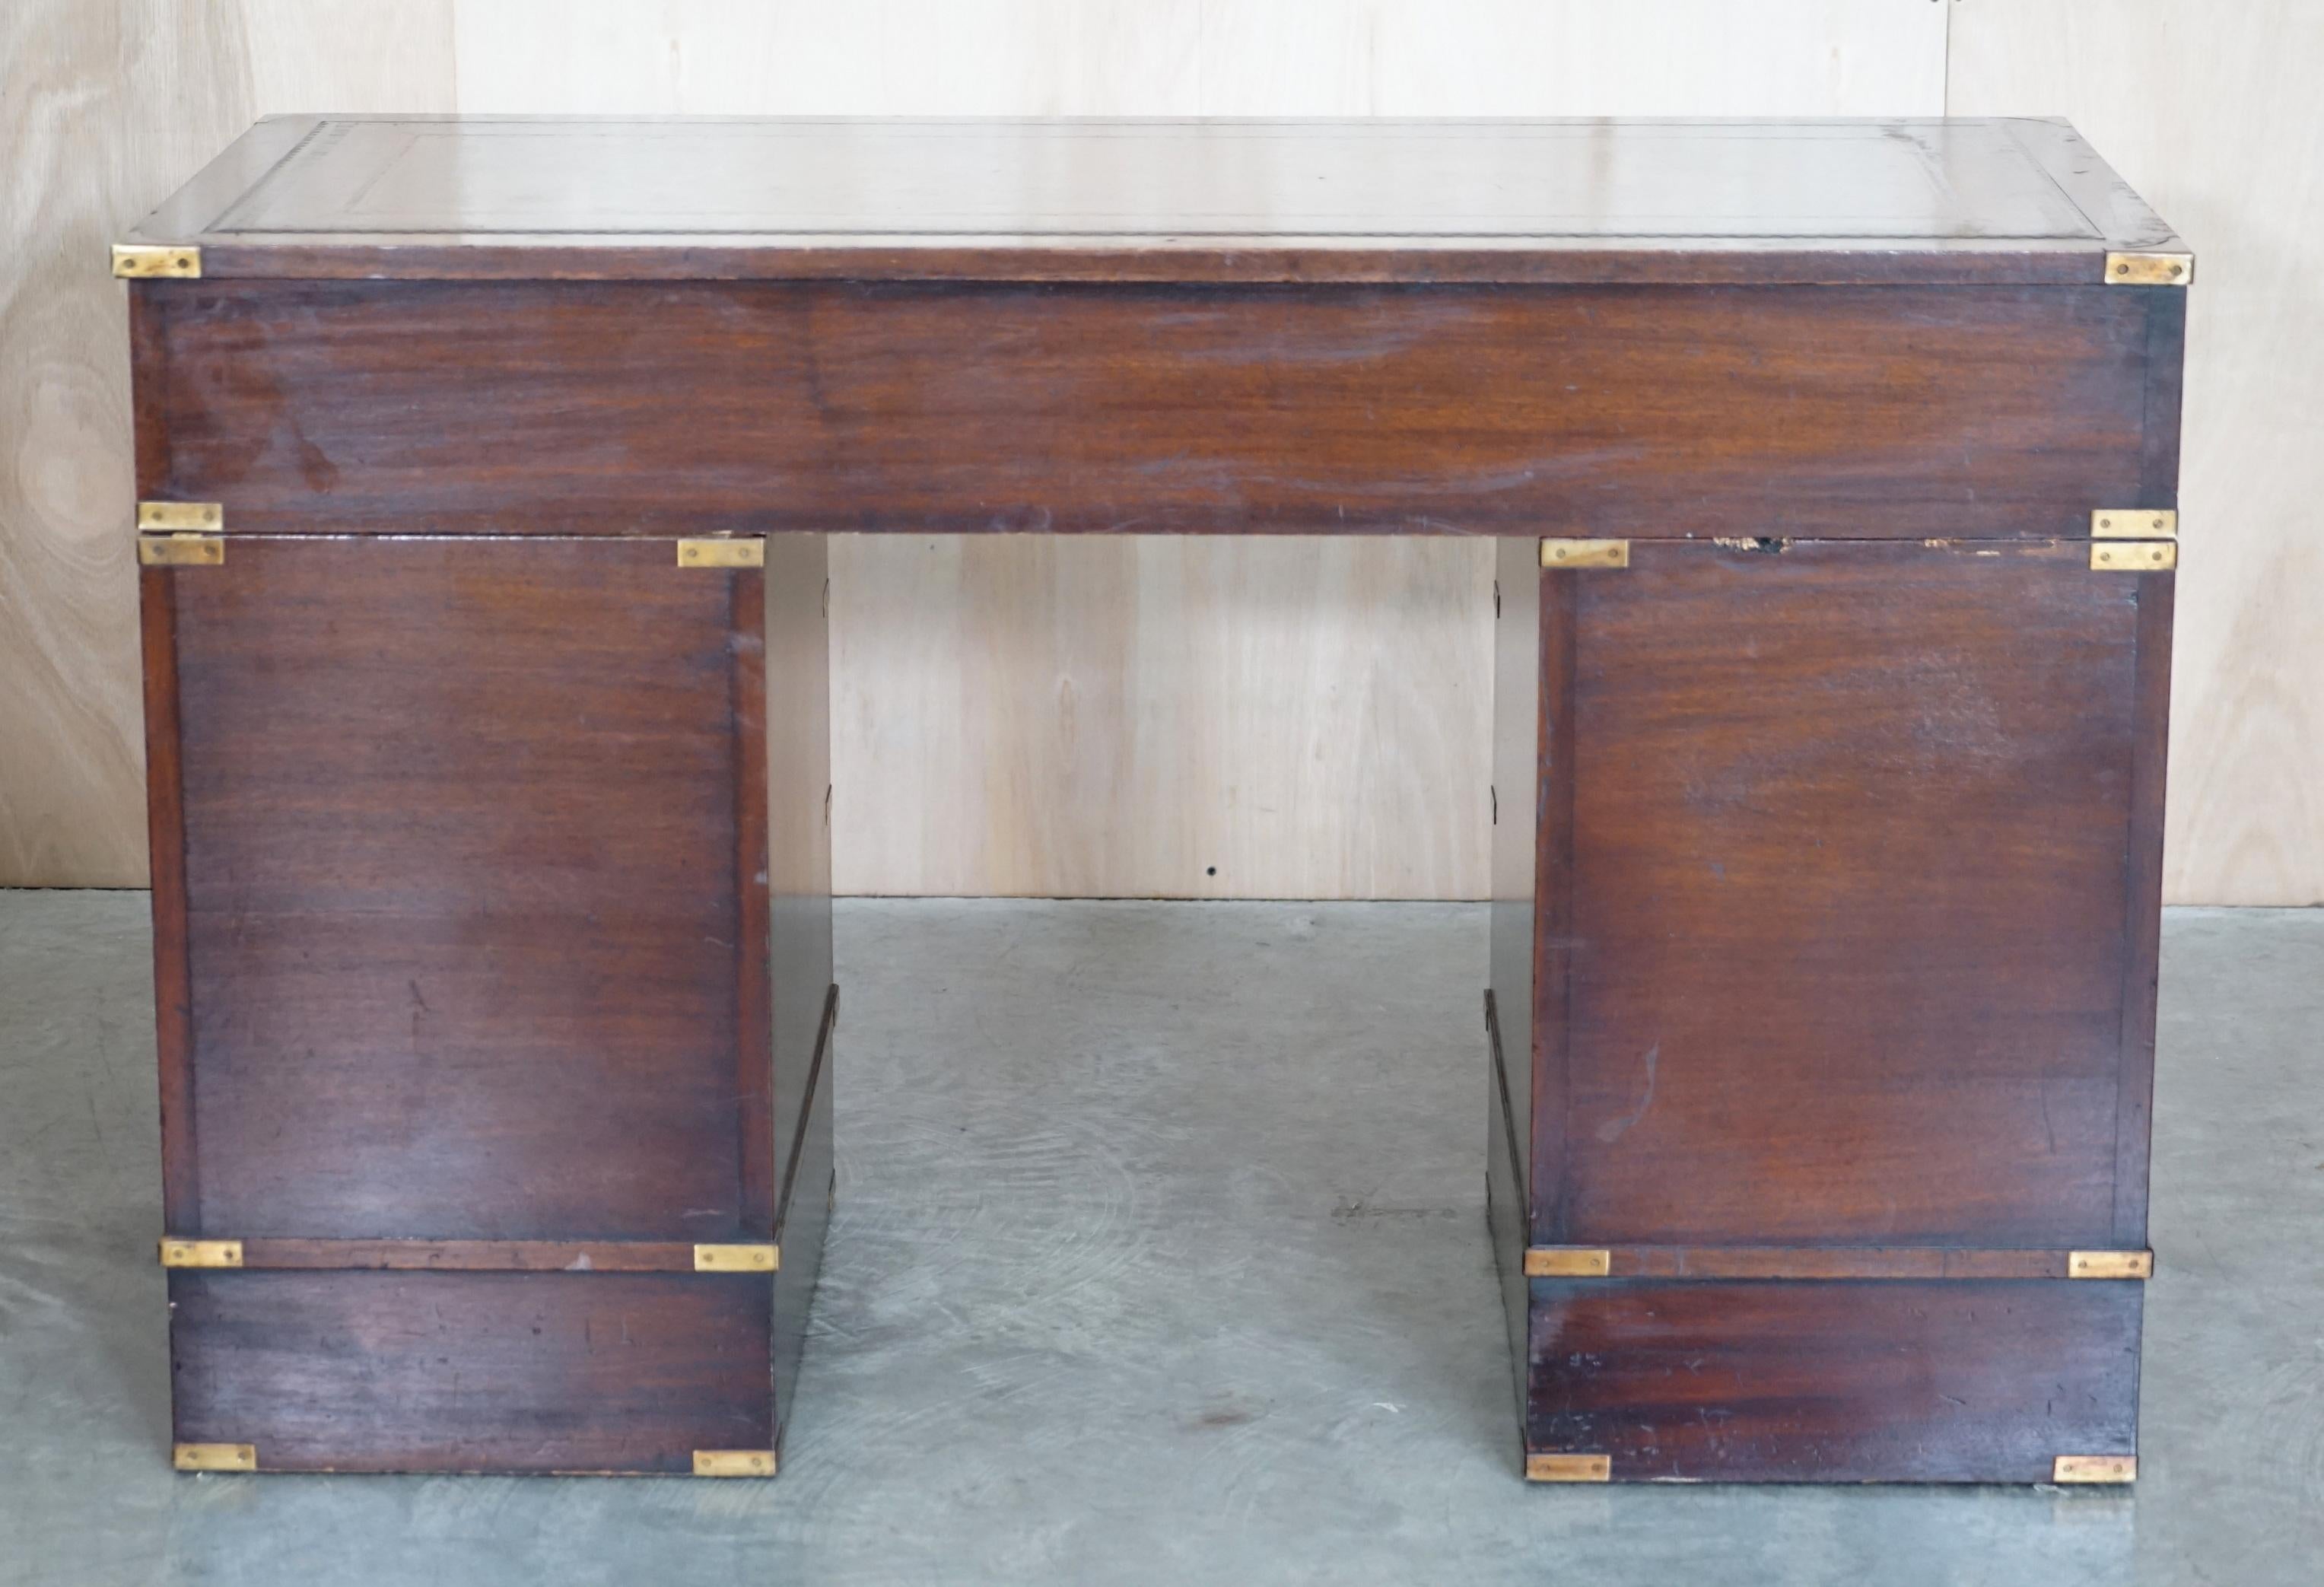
(1561, 1261)
(201, 1253)
(214, 1457)
(722, 553)
(737, 1259)
(2094, 1468)
(1561, 553)
(1569, 1468)
(2149, 270)
(145, 261)
(734, 1463)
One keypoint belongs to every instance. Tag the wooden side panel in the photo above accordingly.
(1505, 1202)
(1509, 993)
(1834, 1382)
(372, 1371)
(1516, 781)
(462, 911)
(805, 1219)
(797, 856)
(166, 842)
(1850, 890)
(798, 879)
(316, 407)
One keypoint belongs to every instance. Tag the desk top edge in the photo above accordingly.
(1982, 200)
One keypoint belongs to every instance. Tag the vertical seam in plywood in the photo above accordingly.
(1945, 62)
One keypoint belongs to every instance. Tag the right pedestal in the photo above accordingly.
(1821, 1016)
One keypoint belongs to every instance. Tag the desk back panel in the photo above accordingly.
(586, 408)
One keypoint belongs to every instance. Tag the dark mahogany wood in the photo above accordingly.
(1849, 827)
(488, 974)
(358, 1371)
(2141, 921)
(1842, 977)
(461, 890)
(757, 1169)
(327, 407)
(173, 997)
(492, 857)
(1834, 1382)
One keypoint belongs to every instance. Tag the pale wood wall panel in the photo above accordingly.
(1178, 717)
(103, 109)
(2209, 112)
(1123, 719)
(105, 105)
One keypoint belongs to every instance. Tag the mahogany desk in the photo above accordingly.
(486, 468)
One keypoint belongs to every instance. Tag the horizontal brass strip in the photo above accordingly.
(201, 1253)
(486, 1255)
(214, 1457)
(734, 1463)
(1569, 1468)
(2094, 1468)
(1746, 1263)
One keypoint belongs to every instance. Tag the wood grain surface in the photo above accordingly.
(472, 1371)
(1834, 1381)
(1839, 968)
(1872, 412)
(541, 916)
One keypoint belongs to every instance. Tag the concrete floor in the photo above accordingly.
(1160, 1256)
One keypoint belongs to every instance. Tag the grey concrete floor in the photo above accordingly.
(1160, 1256)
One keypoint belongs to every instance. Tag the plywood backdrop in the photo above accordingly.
(1191, 717)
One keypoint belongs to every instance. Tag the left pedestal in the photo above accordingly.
(492, 962)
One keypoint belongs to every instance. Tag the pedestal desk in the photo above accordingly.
(485, 470)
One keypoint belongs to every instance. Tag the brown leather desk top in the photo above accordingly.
(1584, 200)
